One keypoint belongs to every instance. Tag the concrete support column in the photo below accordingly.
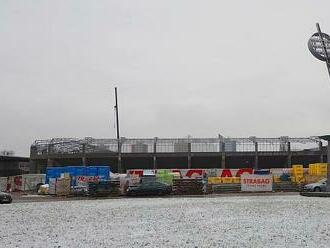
(154, 153)
(83, 159)
(256, 158)
(120, 170)
(321, 152)
(49, 161)
(328, 161)
(189, 155)
(223, 155)
(289, 155)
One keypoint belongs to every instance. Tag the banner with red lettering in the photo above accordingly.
(252, 182)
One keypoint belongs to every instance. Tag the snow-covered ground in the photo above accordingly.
(247, 221)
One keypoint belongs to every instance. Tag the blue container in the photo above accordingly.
(80, 171)
(101, 171)
(54, 172)
(71, 170)
(91, 171)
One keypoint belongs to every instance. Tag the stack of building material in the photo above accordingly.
(63, 186)
(226, 188)
(115, 187)
(286, 186)
(297, 173)
(223, 180)
(318, 169)
(312, 179)
(276, 179)
(165, 176)
(188, 186)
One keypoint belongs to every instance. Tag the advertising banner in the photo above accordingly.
(84, 180)
(252, 183)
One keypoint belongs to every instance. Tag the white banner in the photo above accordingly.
(256, 182)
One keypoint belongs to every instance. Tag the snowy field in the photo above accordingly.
(247, 221)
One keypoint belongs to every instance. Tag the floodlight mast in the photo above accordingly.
(327, 59)
(118, 136)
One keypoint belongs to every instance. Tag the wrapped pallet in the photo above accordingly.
(52, 186)
(63, 186)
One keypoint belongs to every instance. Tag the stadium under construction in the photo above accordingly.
(220, 152)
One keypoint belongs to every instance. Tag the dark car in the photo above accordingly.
(149, 188)
(5, 198)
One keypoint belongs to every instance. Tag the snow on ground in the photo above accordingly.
(246, 221)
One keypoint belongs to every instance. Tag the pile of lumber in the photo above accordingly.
(115, 188)
(188, 186)
(225, 188)
(286, 186)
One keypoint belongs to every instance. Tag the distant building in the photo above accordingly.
(11, 166)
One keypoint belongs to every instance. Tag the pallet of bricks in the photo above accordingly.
(188, 186)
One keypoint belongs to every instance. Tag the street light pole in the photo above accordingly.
(118, 136)
(324, 48)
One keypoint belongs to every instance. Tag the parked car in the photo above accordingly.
(317, 187)
(149, 188)
(103, 188)
(5, 198)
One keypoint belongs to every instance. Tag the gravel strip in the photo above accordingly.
(236, 221)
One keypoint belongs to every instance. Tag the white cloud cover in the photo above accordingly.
(238, 68)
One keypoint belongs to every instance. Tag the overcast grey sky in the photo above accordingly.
(199, 68)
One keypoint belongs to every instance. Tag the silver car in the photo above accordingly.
(317, 187)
